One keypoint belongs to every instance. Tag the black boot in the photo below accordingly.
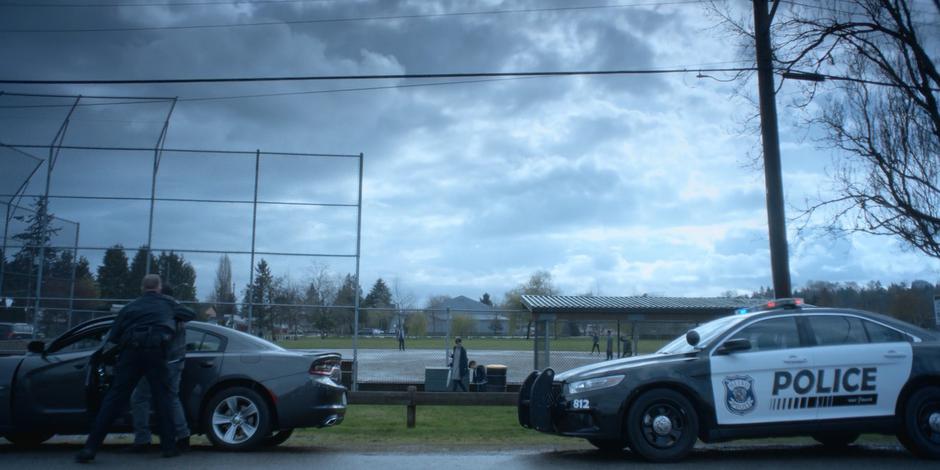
(182, 445)
(85, 456)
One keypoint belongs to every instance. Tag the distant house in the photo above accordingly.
(487, 320)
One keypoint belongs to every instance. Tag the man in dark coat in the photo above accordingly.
(143, 330)
(141, 399)
(610, 346)
(459, 368)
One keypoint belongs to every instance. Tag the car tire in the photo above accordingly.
(28, 439)
(662, 426)
(836, 440)
(277, 438)
(920, 423)
(608, 445)
(237, 419)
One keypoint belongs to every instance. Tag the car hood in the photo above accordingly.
(610, 367)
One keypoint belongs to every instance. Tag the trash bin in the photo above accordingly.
(435, 379)
(495, 378)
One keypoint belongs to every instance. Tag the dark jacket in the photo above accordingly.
(153, 310)
(182, 314)
(459, 355)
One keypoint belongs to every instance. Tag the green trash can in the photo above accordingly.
(435, 379)
(496, 378)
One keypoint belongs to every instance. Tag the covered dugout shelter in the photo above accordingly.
(636, 318)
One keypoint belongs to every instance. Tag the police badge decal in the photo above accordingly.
(739, 394)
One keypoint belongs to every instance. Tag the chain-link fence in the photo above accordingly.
(236, 233)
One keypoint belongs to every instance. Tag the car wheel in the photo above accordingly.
(608, 445)
(28, 439)
(920, 428)
(662, 426)
(836, 440)
(237, 418)
(277, 438)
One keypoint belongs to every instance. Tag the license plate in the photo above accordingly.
(344, 399)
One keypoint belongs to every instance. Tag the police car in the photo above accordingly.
(786, 369)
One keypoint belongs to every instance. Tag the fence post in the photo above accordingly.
(636, 338)
(447, 339)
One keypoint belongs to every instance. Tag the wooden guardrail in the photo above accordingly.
(412, 398)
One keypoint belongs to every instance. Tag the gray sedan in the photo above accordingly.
(239, 390)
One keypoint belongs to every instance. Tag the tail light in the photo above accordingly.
(326, 367)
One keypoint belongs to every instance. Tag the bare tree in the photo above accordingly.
(403, 300)
(877, 105)
(223, 293)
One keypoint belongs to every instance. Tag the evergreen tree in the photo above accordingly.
(113, 274)
(137, 272)
(261, 295)
(485, 300)
(178, 273)
(379, 296)
(346, 297)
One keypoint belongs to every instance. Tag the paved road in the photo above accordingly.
(285, 458)
(392, 365)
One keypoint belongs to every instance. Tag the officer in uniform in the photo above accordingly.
(141, 399)
(143, 330)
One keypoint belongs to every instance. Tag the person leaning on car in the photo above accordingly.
(143, 331)
(142, 398)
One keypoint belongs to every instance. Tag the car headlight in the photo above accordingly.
(598, 383)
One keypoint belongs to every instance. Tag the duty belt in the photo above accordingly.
(148, 337)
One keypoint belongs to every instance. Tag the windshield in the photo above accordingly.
(706, 332)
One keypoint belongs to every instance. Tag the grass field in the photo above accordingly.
(486, 344)
(448, 426)
(380, 427)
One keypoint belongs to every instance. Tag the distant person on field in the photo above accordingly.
(401, 337)
(627, 350)
(610, 346)
(596, 346)
(477, 375)
(458, 366)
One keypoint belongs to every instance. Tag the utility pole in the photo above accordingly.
(776, 219)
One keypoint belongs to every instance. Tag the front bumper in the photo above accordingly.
(543, 406)
(308, 402)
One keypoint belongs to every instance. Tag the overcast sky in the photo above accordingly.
(616, 185)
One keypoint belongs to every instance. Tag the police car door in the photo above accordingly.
(752, 386)
(860, 365)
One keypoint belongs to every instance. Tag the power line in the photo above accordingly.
(166, 81)
(296, 93)
(157, 4)
(353, 19)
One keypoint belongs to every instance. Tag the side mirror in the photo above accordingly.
(734, 345)
(37, 347)
(692, 337)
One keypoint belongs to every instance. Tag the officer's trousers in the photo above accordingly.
(142, 399)
(132, 365)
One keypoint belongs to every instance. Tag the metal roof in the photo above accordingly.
(572, 303)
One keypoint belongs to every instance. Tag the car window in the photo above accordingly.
(193, 339)
(84, 342)
(833, 330)
(771, 334)
(882, 334)
(211, 343)
(200, 341)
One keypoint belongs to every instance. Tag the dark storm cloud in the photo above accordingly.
(624, 183)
